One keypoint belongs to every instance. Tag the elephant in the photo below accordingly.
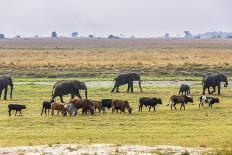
(4, 82)
(126, 78)
(184, 89)
(213, 80)
(72, 87)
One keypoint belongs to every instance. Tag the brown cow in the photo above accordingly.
(121, 105)
(59, 107)
(97, 106)
(84, 104)
(181, 99)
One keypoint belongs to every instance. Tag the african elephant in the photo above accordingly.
(4, 82)
(184, 89)
(213, 80)
(126, 78)
(68, 87)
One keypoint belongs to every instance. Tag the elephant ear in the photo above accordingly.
(76, 85)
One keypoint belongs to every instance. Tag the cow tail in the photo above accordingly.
(169, 103)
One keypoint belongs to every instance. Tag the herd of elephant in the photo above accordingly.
(73, 87)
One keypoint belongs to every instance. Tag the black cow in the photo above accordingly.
(151, 102)
(209, 100)
(181, 99)
(46, 107)
(106, 103)
(15, 107)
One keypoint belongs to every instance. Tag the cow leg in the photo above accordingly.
(219, 88)
(149, 108)
(203, 93)
(48, 111)
(174, 106)
(181, 106)
(72, 95)
(184, 106)
(20, 112)
(154, 108)
(16, 112)
(9, 112)
(43, 111)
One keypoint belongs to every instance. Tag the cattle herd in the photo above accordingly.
(92, 106)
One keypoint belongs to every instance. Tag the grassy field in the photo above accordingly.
(192, 127)
(102, 58)
(50, 60)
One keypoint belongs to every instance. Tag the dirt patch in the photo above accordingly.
(102, 149)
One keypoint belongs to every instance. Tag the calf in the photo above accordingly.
(71, 109)
(97, 105)
(121, 105)
(209, 100)
(46, 107)
(184, 89)
(106, 103)
(59, 107)
(151, 102)
(181, 99)
(84, 104)
(16, 107)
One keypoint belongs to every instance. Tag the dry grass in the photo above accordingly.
(141, 55)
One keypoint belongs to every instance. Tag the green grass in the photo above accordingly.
(192, 127)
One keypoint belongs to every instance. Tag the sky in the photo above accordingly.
(140, 18)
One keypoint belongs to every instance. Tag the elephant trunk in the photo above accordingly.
(86, 94)
(140, 86)
(11, 90)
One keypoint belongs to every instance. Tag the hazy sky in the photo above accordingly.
(142, 18)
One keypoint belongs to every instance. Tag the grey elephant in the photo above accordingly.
(72, 87)
(184, 89)
(126, 78)
(4, 83)
(213, 80)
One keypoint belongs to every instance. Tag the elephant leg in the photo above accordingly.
(128, 88)
(203, 93)
(72, 95)
(132, 88)
(61, 99)
(209, 90)
(5, 93)
(79, 96)
(219, 88)
(117, 91)
(0, 93)
(214, 89)
(42, 111)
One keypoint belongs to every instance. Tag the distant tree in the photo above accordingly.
(188, 34)
(36, 36)
(91, 36)
(229, 36)
(2, 36)
(112, 37)
(132, 37)
(74, 34)
(54, 34)
(18, 36)
(166, 35)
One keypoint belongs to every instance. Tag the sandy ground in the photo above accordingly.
(103, 149)
(111, 83)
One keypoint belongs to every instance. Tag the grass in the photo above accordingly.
(192, 127)
(152, 58)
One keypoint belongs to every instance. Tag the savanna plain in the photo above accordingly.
(50, 60)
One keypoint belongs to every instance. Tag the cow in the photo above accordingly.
(151, 102)
(46, 107)
(184, 89)
(180, 99)
(59, 107)
(209, 100)
(97, 106)
(84, 104)
(16, 107)
(71, 109)
(121, 105)
(106, 103)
